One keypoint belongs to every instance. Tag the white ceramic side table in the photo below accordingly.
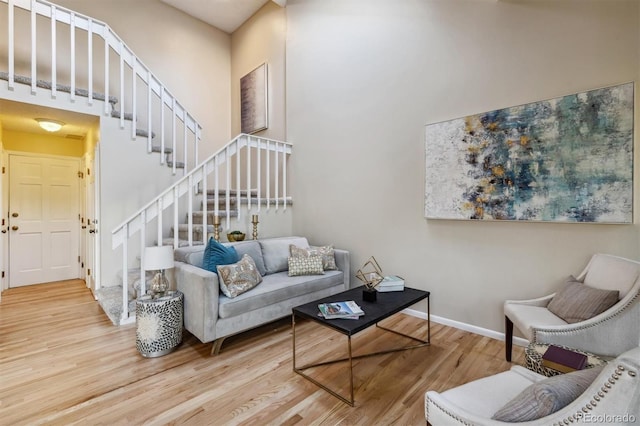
(159, 324)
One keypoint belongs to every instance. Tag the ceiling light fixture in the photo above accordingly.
(50, 125)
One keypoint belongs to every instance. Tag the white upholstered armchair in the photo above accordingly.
(612, 397)
(608, 333)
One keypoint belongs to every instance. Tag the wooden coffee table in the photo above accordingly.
(386, 305)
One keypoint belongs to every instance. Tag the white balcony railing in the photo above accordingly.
(117, 73)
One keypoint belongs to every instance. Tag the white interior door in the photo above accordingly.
(43, 220)
(90, 229)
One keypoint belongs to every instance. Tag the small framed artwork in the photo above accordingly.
(253, 101)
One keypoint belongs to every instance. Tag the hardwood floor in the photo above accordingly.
(62, 362)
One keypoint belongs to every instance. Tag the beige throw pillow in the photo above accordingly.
(305, 265)
(326, 252)
(239, 277)
(576, 302)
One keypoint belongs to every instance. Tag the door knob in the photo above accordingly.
(92, 231)
(14, 228)
(14, 214)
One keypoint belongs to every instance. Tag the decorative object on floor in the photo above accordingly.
(216, 228)
(568, 159)
(607, 333)
(612, 395)
(253, 101)
(158, 258)
(159, 324)
(254, 221)
(235, 236)
(534, 353)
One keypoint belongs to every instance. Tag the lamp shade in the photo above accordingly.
(158, 257)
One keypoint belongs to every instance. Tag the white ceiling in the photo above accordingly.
(226, 15)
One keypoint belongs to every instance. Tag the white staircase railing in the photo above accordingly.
(128, 66)
(253, 168)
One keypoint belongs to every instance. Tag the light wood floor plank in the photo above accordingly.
(62, 362)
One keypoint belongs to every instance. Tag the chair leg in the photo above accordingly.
(508, 337)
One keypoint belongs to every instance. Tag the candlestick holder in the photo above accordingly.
(254, 221)
(216, 228)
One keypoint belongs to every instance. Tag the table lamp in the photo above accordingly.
(158, 258)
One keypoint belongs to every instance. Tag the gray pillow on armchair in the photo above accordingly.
(576, 302)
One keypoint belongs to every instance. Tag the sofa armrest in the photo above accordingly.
(201, 291)
(343, 262)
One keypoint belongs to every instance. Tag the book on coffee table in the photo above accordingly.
(563, 360)
(333, 310)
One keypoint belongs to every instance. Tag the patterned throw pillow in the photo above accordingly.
(305, 265)
(326, 252)
(576, 302)
(239, 277)
(547, 396)
(216, 254)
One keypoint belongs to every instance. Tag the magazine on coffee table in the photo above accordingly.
(348, 309)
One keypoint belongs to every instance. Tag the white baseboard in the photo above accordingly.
(466, 327)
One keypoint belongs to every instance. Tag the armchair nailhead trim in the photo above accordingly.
(601, 394)
(613, 315)
(452, 415)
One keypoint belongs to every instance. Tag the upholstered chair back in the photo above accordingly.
(611, 273)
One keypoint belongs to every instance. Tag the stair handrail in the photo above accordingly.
(188, 184)
(94, 26)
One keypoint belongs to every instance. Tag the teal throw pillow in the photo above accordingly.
(216, 254)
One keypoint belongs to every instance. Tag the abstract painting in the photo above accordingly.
(253, 100)
(568, 159)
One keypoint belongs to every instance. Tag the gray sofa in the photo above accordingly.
(211, 316)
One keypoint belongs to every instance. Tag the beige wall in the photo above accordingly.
(364, 77)
(190, 57)
(261, 40)
(42, 144)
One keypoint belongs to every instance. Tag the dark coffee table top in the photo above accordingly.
(387, 304)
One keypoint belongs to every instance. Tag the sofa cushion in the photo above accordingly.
(253, 249)
(305, 265)
(275, 252)
(576, 302)
(239, 277)
(192, 255)
(327, 253)
(276, 288)
(216, 254)
(547, 396)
